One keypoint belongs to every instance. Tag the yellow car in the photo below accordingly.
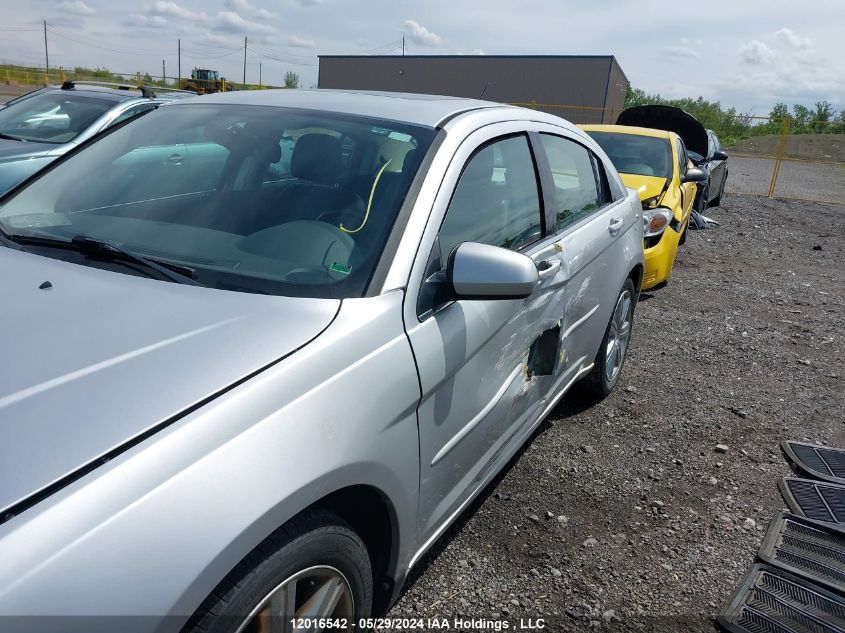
(656, 165)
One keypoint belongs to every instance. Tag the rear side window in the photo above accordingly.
(496, 200)
(577, 189)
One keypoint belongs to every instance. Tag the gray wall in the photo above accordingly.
(580, 83)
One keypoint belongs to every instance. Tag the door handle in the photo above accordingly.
(615, 225)
(547, 268)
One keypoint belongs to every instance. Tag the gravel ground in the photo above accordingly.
(626, 515)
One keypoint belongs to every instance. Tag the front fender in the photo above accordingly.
(154, 531)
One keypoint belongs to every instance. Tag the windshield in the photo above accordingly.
(52, 117)
(250, 198)
(634, 154)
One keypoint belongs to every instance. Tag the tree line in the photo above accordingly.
(731, 125)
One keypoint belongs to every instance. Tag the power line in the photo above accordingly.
(104, 48)
(307, 58)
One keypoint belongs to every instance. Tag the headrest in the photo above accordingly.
(316, 158)
(480, 168)
(411, 161)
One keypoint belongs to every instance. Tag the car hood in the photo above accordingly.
(101, 358)
(645, 186)
(12, 150)
(671, 119)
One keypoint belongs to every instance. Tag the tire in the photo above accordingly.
(717, 201)
(598, 384)
(303, 554)
(703, 198)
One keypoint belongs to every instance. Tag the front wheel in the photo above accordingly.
(312, 574)
(608, 363)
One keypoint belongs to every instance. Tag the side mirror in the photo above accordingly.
(720, 155)
(694, 175)
(480, 271)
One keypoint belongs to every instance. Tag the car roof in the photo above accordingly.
(428, 110)
(627, 129)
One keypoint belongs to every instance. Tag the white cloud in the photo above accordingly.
(168, 8)
(756, 52)
(310, 3)
(300, 42)
(77, 7)
(146, 21)
(794, 39)
(681, 51)
(421, 35)
(230, 22)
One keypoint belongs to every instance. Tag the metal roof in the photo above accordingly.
(429, 110)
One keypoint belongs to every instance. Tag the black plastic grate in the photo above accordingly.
(808, 548)
(770, 600)
(820, 462)
(813, 499)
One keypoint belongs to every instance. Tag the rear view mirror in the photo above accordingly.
(480, 271)
(720, 155)
(694, 175)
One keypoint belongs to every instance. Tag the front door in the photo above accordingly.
(483, 365)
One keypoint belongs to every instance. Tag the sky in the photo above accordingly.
(747, 54)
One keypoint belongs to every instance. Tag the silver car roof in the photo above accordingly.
(428, 110)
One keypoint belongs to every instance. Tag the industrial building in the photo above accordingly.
(591, 87)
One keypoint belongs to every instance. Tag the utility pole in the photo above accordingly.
(46, 54)
(163, 76)
(244, 60)
(259, 74)
(179, 58)
(403, 46)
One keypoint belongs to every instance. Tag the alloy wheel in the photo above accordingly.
(309, 596)
(618, 336)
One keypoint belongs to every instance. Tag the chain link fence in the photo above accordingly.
(783, 158)
(14, 75)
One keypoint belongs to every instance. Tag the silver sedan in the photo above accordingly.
(261, 348)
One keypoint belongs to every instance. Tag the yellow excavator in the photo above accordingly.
(204, 81)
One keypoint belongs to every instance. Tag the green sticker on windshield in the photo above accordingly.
(343, 269)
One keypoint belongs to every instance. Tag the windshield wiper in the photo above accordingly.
(6, 240)
(107, 250)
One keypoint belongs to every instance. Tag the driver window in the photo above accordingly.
(496, 200)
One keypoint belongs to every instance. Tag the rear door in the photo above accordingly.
(590, 221)
(484, 366)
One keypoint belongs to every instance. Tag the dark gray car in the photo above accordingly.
(40, 126)
(245, 391)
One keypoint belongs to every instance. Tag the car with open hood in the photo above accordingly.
(656, 165)
(38, 127)
(262, 348)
